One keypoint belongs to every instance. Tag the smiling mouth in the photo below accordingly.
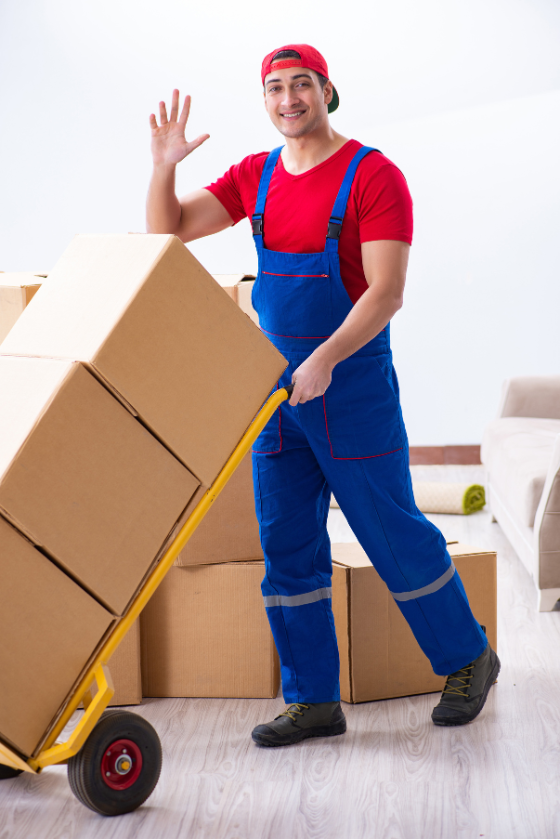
(291, 115)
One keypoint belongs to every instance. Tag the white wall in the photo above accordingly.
(463, 97)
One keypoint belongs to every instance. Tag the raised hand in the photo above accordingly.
(169, 144)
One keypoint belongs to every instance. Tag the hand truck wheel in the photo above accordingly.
(119, 765)
(9, 772)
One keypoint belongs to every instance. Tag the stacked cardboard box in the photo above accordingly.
(124, 387)
(239, 287)
(17, 289)
(379, 656)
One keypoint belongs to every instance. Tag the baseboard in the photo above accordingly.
(423, 455)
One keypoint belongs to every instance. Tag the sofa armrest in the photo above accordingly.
(531, 396)
(547, 526)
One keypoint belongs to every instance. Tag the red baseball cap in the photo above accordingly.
(309, 57)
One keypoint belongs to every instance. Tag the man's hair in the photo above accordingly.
(293, 54)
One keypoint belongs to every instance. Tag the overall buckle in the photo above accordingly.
(335, 227)
(257, 223)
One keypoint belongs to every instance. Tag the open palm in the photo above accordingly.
(169, 144)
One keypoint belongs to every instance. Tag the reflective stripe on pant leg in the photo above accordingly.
(426, 590)
(297, 600)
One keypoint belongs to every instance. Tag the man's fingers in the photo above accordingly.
(162, 113)
(194, 144)
(186, 110)
(296, 394)
(153, 121)
(174, 106)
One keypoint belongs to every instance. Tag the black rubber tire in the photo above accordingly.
(84, 769)
(9, 772)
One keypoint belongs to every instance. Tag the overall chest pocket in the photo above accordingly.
(361, 407)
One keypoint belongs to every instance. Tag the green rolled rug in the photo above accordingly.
(445, 497)
(452, 497)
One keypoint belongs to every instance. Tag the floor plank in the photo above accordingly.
(392, 775)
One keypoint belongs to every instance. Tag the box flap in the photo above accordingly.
(20, 279)
(460, 549)
(232, 279)
(351, 555)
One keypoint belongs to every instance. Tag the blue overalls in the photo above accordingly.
(351, 442)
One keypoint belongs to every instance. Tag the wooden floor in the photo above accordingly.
(393, 774)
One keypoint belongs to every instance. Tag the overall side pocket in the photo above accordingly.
(362, 413)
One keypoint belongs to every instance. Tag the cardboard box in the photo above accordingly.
(16, 291)
(84, 480)
(243, 297)
(379, 656)
(150, 322)
(124, 666)
(49, 629)
(205, 634)
(230, 530)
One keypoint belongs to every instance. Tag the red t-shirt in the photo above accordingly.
(298, 207)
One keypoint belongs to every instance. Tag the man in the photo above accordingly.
(332, 224)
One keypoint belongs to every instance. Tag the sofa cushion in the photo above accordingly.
(517, 452)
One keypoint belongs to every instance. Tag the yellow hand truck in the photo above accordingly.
(114, 757)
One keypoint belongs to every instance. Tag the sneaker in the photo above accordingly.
(466, 690)
(301, 721)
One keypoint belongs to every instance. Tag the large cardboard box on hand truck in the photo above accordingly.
(82, 479)
(205, 634)
(379, 656)
(150, 322)
(49, 627)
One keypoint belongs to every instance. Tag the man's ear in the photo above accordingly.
(328, 92)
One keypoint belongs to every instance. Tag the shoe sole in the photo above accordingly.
(467, 719)
(312, 732)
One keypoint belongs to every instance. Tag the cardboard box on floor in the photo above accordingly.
(230, 530)
(379, 656)
(16, 291)
(150, 322)
(49, 629)
(125, 669)
(83, 479)
(205, 634)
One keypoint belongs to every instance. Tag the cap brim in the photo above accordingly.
(334, 103)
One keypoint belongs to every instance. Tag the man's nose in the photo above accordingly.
(290, 98)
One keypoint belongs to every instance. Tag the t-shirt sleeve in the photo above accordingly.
(385, 206)
(227, 191)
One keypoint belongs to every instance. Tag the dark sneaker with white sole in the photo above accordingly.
(301, 721)
(466, 690)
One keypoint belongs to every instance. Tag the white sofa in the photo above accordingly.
(521, 453)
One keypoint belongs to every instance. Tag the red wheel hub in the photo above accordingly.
(121, 764)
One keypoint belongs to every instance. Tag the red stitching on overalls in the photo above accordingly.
(310, 337)
(274, 274)
(274, 451)
(357, 457)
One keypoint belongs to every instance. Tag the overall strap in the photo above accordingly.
(339, 209)
(264, 183)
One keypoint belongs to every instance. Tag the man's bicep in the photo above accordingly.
(385, 262)
(201, 215)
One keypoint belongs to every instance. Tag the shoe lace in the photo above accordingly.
(462, 679)
(294, 709)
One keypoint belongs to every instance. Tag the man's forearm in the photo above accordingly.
(163, 211)
(366, 319)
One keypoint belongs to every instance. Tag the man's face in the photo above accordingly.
(295, 101)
